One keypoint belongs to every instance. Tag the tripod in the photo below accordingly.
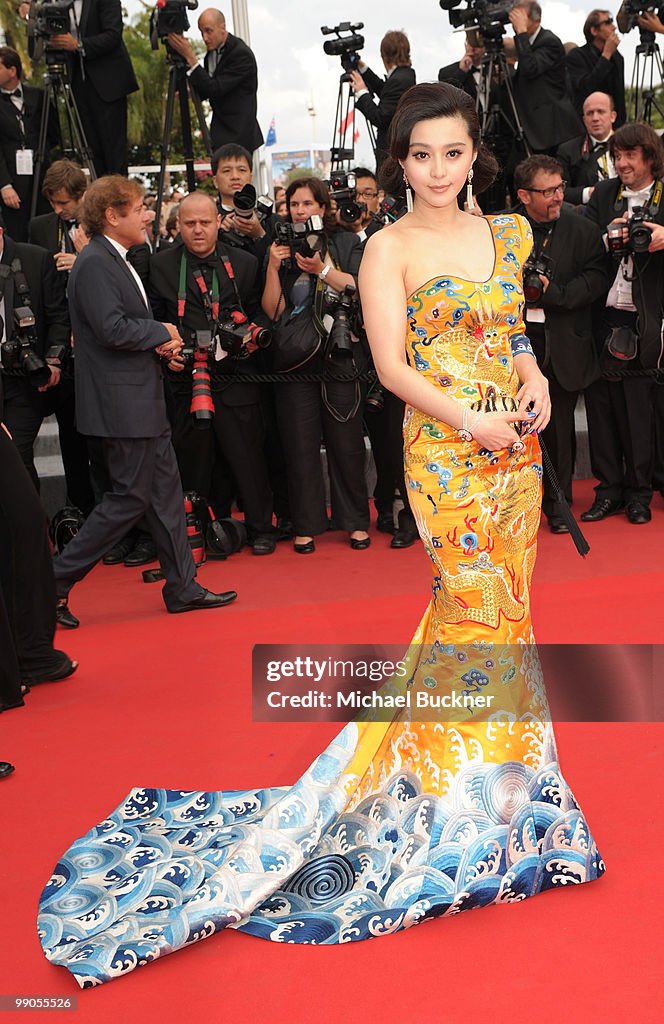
(344, 122)
(179, 83)
(647, 59)
(59, 97)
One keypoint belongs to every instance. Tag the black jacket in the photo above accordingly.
(648, 285)
(580, 167)
(232, 95)
(540, 91)
(12, 139)
(578, 277)
(454, 75)
(104, 59)
(163, 291)
(589, 72)
(47, 294)
(389, 91)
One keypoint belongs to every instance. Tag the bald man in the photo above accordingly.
(227, 77)
(586, 159)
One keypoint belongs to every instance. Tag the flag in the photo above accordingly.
(271, 134)
(349, 122)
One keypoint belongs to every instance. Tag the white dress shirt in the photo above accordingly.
(620, 295)
(123, 252)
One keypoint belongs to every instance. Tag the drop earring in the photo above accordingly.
(470, 202)
(409, 194)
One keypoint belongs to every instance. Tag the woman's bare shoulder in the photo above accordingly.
(388, 241)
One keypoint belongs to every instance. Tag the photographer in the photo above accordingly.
(191, 285)
(562, 277)
(21, 111)
(540, 83)
(466, 74)
(395, 52)
(231, 167)
(120, 398)
(620, 412)
(297, 294)
(367, 196)
(228, 78)
(598, 66)
(36, 342)
(586, 158)
(101, 78)
(60, 232)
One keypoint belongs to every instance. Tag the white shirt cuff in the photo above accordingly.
(586, 194)
(361, 92)
(199, 65)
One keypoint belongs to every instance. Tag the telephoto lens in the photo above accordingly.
(244, 202)
(202, 405)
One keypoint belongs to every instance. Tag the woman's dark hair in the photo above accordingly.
(426, 102)
(321, 194)
(637, 133)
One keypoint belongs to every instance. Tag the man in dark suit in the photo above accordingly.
(236, 428)
(102, 78)
(395, 51)
(228, 78)
(465, 74)
(540, 84)
(120, 398)
(28, 278)
(598, 66)
(586, 158)
(559, 320)
(20, 118)
(620, 412)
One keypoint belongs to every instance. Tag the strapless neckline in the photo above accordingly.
(457, 277)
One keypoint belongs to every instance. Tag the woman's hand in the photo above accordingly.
(310, 264)
(533, 396)
(495, 430)
(278, 253)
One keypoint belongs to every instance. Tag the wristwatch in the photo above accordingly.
(325, 271)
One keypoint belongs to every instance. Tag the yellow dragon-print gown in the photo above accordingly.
(395, 822)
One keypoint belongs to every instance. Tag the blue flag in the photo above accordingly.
(271, 134)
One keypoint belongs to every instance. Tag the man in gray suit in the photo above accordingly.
(120, 398)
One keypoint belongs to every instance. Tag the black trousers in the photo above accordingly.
(26, 579)
(144, 482)
(385, 429)
(237, 432)
(24, 410)
(559, 436)
(105, 126)
(658, 471)
(621, 426)
(303, 418)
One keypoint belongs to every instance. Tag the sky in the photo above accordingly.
(295, 76)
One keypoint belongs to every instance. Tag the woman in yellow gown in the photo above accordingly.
(395, 822)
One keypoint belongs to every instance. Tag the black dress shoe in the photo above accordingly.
(385, 522)
(558, 525)
(406, 532)
(5, 769)
(143, 553)
(360, 543)
(600, 509)
(118, 552)
(307, 548)
(285, 528)
(206, 600)
(64, 617)
(638, 513)
(264, 545)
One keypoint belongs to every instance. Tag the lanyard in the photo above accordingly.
(210, 299)
(653, 204)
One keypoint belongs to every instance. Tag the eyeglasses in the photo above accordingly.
(605, 21)
(549, 193)
(367, 193)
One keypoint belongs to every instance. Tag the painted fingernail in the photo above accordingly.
(532, 415)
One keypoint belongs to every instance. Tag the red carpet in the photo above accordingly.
(165, 701)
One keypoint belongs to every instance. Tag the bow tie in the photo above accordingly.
(69, 224)
(208, 263)
(628, 193)
(600, 147)
(16, 92)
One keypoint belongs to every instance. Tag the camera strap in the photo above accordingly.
(653, 204)
(210, 298)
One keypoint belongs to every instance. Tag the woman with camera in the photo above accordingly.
(307, 284)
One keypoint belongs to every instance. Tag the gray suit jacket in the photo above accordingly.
(119, 386)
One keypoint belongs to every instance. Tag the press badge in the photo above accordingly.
(24, 161)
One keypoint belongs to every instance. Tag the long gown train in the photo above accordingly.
(395, 822)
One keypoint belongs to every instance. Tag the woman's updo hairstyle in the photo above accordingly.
(424, 103)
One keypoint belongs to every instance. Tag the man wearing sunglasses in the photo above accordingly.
(563, 276)
(598, 66)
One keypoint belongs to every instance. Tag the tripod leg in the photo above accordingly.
(165, 146)
(79, 142)
(200, 115)
(187, 141)
(40, 154)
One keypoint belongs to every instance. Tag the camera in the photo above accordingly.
(630, 11)
(639, 236)
(171, 16)
(343, 310)
(245, 202)
(239, 337)
(52, 19)
(343, 190)
(375, 400)
(202, 405)
(489, 16)
(533, 286)
(391, 209)
(306, 238)
(18, 353)
(344, 46)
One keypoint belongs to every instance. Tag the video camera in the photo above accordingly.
(52, 18)
(170, 16)
(343, 189)
(639, 236)
(533, 286)
(488, 16)
(630, 11)
(19, 353)
(344, 46)
(307, 239)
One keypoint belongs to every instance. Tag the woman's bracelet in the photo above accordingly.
(467, 427)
